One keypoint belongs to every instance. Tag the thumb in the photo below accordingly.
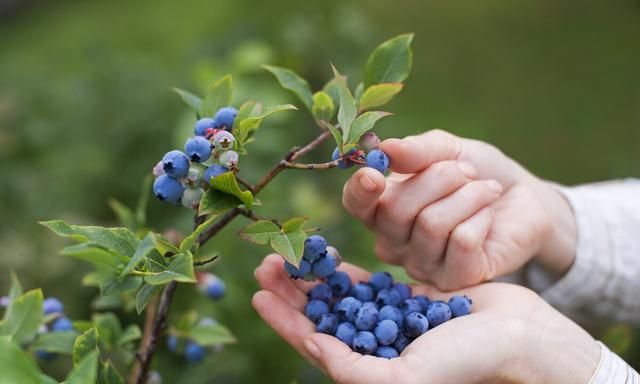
(416, 153)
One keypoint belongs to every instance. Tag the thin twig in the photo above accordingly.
(245, 183)
(313, 166)
(200, 263)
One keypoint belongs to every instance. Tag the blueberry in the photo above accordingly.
(333, 252)
(415, 324)
(345, 332)
(402, 341)
(386, 332)
(410, 305)
(403, 289)
(315, 246)
(365, 342)
(340, 283)
(213, 171)
(344, 164)
(194, 175)
(324, 267)
(366, 318)
(225, 117)
(194, 352)
(438, 312)
(424, 302)
(380, 280)
(61, 324)
(223, 141)
(315, 308)
(175, 164)
(386, 352)
(52, 305)
(45, 355)
(191, 197)
(335, 306)
(215, 289)
(321, 292)
(369, 141)
(348, 307)
(371, 304)
(388, 296)
(378, 160)
(362, 292)
(228, 159)
(168, 189)
(198, 149)
(327, 323)
(203, 124)
(460, 305)
(296, 273)
(172, 343)
(389, 312)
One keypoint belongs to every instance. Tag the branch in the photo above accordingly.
(205, 262)
(246, 184)
(327, 165)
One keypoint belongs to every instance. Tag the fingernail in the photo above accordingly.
(312, 348)
(467, 168)
(494, 186)
(367, 183)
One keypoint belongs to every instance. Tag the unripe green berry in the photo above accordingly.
(228, 159)
(191, 197)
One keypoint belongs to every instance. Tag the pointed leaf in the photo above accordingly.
(259, 232)
(347, 111)
(179, 269)
(190, 240)
(363, 123)
(252, 123)
(95, 254)
(290, 245)
(323, 107)
(164, 246)
(290, 80)
(131, 333)
(86, 370)
(84, 345)
(294, 224)
(24, 316)
(144, 296)
(17, 366)
(227, 183)
(331, 89)
(337, 136)
(390, 62)
(145, 247)
(123, 213)
(218, 96)
(189, 98)
(117, 285)
(186, 321)
(215, 203)
(210, 335)
(56, 342)
(108, 374)
(245, 111)
(15, 291)
(379, 94)
(359, 90)
(121, 240)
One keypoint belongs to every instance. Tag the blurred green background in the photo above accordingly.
(86, 111)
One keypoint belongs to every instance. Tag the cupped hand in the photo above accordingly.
(511, 336)
(457, 212)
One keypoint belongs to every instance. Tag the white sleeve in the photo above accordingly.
(613, 370)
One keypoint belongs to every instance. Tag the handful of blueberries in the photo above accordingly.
(378, 317)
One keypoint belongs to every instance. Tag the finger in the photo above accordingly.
(346, 366)
(387, 252)
(399, 205)
(272, 277)
(361, 192)
(434, 223)
(416, 153)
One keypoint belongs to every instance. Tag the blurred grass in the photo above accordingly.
(85, 111)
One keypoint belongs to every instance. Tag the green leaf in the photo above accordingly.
(260, 232)
(120, 240)
(363, 123)
(144, 296)
(24, 316)
(16, 366)
(108, 327)
(57, 342)
(323, 107)
(227, 183)
(179, 269)
(347, 111)
(209, 335)
(86, 370)
(189, 98)
(186, 321)
(145, 247)
(164, 246)
(379, 94)
(359, 90)
(95, 254)
(131, 333)
(114, 284)
(190, 240)
(294, 224)
(245, 110)
(124, 214)
(84, 345)
(143, 200)
(44, 379)
(15, 291)
(250, 124)
(293, 82)
(390, 62)
(218, 96)
(331, 89)
(215, 202)
(108, 374)
(290, 245)
(337, 136)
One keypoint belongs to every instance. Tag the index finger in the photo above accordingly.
(416, 153)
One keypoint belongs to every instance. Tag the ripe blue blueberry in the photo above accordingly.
(371, 304)
(389, 312)
(324, 267)
(52, 305)
(223, 141)
(380, 280)
(460, 305)
(335, 306)
(297, 273)
(168, 189)
(365, 342)
(378, 160)
(194, 352)
(388, 296)
(386, 332)
(61, 324)
(191, 197)
(172, 343)
(438, 312)
(340, 283)
(345, 332)
(315, 246)
(415, 324)
(410, 305)
(175, 164)
(327, 323)
(387, 352)
(348, 307)
(424, 302)
(321, 292)
(402, 341)
(228, 159)
(315, 308)
(225, 117)
(203, 124)
(213, 171)
(344, 164)
(215, 289)
(403, 289)
(362, 292)
(366, 318)
(198, 149)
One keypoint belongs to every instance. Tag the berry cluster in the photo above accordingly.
(57, 322)
(369, 154)
(379, 317)
(190, 349)
(182, 177)
(318, 260)
(210, 285)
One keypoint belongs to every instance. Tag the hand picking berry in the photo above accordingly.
(378, 160)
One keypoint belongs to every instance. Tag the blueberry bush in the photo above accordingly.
(136, 268)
